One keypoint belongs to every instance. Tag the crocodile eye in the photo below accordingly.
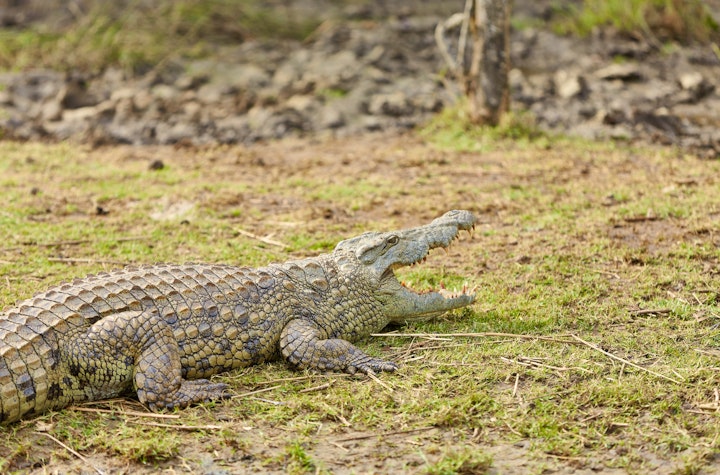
(392, 240)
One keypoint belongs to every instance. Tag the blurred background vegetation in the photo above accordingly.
(91, 35)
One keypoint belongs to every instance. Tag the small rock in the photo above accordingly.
(301, 103)
(192, 110)
(691, 80)
(142, 100)
(568, 84)
(394, 104)
(371, 123)
(171, 134)
(79, 114)
(211, 93)
(613, 116)
(624, 72)
(660, 120)
(248, 76)
(51, 110)
(331, 117)
(695, 88)
(232, 129)
(163, 91)
(124, 93)
(124, 110)
(188, 81)
(76, 93)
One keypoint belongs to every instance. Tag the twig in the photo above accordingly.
(77, 260)
(318, 388)
(262, 239)
(512, 429)
(269, 401)
(462, 40)
(339, 446)
(474, 335)
(650, 311)
(440, 29)
(517, 382)
(303, 378)
(377, 380)
(74, 242)
(258, 391)
(384, 434)
(531, 363)
(72, 451)
(175, 426)
(622, 360)
(124, 412)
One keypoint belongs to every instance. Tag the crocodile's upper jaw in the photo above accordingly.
(382, 253)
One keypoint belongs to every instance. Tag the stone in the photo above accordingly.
(394, 104)
(330, 117)
(624, 72)
(164, 91)
(691, 80)
(51, 110)
(79, 114)
(301, 103)
(232, 129)
(569, 84)
(174, 133)
(211, 93)
(142, 100)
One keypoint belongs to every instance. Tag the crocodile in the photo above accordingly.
(159, 331)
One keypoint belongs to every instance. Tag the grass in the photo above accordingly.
(665, 20)
(615, 245)
(452, 128)
(138, 35)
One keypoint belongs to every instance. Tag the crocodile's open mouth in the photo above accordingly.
(425, 301)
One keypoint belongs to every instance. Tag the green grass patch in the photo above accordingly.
(664, 20)
(617, 246)
(138, 36)
(453, 129)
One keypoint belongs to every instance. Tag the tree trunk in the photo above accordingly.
(487, 82)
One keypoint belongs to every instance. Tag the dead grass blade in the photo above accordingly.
(263, 239)
(622, 360)
(72, 451)
(384, 434)
(74, 242)
(318, 388)
(124, 412)
(79, 260)
(476, 335)
(177, 426)
(379, 381)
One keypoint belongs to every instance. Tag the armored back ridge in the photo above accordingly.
(158, 331)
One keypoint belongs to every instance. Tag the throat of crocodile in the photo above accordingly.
(402, 303)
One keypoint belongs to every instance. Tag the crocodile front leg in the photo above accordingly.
(134, 349)
(301, 344)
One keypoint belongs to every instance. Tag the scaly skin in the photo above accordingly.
(160, 330)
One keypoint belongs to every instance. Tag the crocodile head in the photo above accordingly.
(380, 254)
